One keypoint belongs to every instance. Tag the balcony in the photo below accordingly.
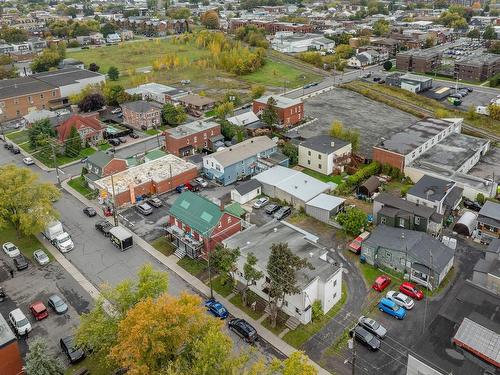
(185, 242)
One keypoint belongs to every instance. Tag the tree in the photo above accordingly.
(381, 27)
(113, 73)
(224, 109)
(474, 34)
(269, 114)
(26, 202)
(173, 115)
(92, 102)
(489, 33)
(210, 19)
(494, 48)
(232, 97)
(282, 267)
(344, 51)
(40, 130)
(49, 58)
(430, 41)
(13, 35)
(115, 95)
(179, 13)
(108, 28)
(353, 220)
(257, 91)
(336, 129)
(387, 65)
(73, 144)
(494, 111)
(223, 260)
(39, 361)
(292, 152)
(480, 198)
(251, 275)
(297, 363)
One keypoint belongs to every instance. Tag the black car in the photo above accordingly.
(73, 353)
(89, 211)
(133, 135)
(104, 227)
(20, 262)
(242, 328)
(15, 150)
(8, 146)
(114, 142)
(376, 79)
(474, 206)
(272, 208)
(365, 337)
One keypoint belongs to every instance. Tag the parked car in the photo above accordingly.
(365, 337)
(272, 208)
(401, 299)
(155, 202)
(73, 353)
(133, 135)
(372, 326)
(144, 209)
(376, 79)
(201, 181)
(355, 245)
(367, 75)
(116, 110)
(10, 249)
(28, 161)
(261, 202)
(185, 81)
(40, 257)
(184, 187)
(122, 139)
(15, 150)
(243, 329)
(8, 146)
(57, 304)
(381, 283)
(104, 227)
(282, 213)
(20, 262)
(391, 308)
(19, 321)
(89, 211)
(471, 205)
(38, 310)
(411, 290)
(216, 308)
(114, 142)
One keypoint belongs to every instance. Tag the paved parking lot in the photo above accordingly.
(38, 283)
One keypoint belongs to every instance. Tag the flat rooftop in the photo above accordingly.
(194, 127)
(281, 101)
(156, 170)
(479, 59)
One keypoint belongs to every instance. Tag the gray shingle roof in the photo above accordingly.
(22, 86)
(99, 158)
(390, 200)
(430, 188)
(140, 106)
(64, 77)
(247, 187)
(323, 144)
(491, 210)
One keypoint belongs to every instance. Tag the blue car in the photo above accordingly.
(391, 308)
(217, 309)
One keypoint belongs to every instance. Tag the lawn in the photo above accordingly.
(398, 186)
(104, 147)
(238, 302)
(164, 246)
(223, 289)
(18, 136)
(275, 73)
(152, 131)
(193, 266)
(26, 244)
(337, 179)
(276, 330)
(94, 365)
(80, 185)
(449, 277)
(61, 159)
(303, 333)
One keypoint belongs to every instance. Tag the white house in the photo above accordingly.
(323, 283)
(288, 42)
(358, 61)
(443, 195)
(246, 191)
(113, 38)
(324, 154)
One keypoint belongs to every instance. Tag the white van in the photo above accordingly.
(19, 321)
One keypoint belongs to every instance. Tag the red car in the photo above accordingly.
(411, 290)
(39, 310)
(381, 283)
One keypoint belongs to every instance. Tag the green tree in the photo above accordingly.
(430, 42)
(336, 129)
(251, 275)
(179, 13)
(353, 220)
(26, 202)
(115, 95)
(228, 130)
(41, 129)
(49, 58)
(494, 48)
(344, 51)
(224, 109)
(223, 260)
(342, 38)
(173, 115)
(494, 111)
(113, 73)
(480, 198)
(282, 267)
(93, 67)
(13, 35)
(381, 27)
(73, 144)
(474, 34)
(210, 19)
(92, 102)
(108, 28)
(39, 361)
(232, 97)
(387, 65)
(257, 91)
(269, 114)
(292, 152)
(489, 33)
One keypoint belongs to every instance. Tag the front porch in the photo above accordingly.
(184, 242)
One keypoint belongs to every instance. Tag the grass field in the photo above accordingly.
(80, 185)
(223, 289)
(163, 245)
(238, 302)
(337, 179)
(62, 159)
(194, 266)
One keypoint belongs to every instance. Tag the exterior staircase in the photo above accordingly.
(292, 323)
(180, 253)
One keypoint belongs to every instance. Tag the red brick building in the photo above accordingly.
(196, 225)
(100, 164)
(290, 111)
(10, 355)
(141, 114)
(272, 27)
(185, 139)
(91, 130)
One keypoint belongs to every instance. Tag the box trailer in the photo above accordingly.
(121, 238)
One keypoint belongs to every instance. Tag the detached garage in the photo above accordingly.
(324, 207)
(246, 191)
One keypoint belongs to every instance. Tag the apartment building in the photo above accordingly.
(184, 140)
(417, 60)
(141, 114)
(477, 68)
(290, 111)
(324, 154)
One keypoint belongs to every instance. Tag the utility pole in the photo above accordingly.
(210, 276)
(428, 283)
(406, 253)
(54, 159)
(115, 218)
(353, 359)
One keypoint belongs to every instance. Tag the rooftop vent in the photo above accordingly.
(332, 143)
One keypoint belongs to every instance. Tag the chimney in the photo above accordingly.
(332, 143)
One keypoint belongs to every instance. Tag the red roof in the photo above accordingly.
(79, 122)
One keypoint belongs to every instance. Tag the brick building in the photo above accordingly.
(290, 111)
(154, 177)
(88, 126)
(477, 68)
(272, 27)
(10, 355)
(100, 165)
(417, 60)
(141, 114)
(184, 140)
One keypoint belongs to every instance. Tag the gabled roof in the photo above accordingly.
(324, 144)
(431, 188)
(79, 122)
(491, 210)
(141, 106)
(243, 150)
(100, 159)
(387, 199)
(247, 186)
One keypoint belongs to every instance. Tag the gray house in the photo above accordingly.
(443, 195)
(486, 272)
(397, 212)
(417, 254)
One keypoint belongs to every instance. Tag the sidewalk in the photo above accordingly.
(171, 263)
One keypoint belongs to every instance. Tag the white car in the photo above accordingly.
(116, 110)
(201, 181)
(19, 321)
(64, 243)
(40, 257)
(261, 202)
(28, 161)
(401, 299)
(11, 250)
(185, 81)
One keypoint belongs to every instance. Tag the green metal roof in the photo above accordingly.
(235, 209)
(197, 212)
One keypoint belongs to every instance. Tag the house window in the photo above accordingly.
(382, 220)
(417, 220)
(309, 153)
(319, 156)
(16, 101)
(41, 96)
(309, 162)
(319, 166)
(334, 283)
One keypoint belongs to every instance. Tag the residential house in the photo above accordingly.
(126, 35)
(186, 139)
(6, 49)
(486, 272)
(84, 40)
(37, 44)
(426, 260)
(272, 27)
(97, 38)
(11, 362)
(157, 92)
(197, 102)
(246, 191)
(101, 164)
(488, 222)
(321, 283)
(442, 195)
(89, 128)
(240, 160)
(113, 38)
(358, 61)
(324, 207)
(290, 111)
(141, 114)
(325, 154)
(21, 48)
(246, 119)
(196, 225)
(288, 42)
(397, 212)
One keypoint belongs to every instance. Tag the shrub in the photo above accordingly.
(317, 310)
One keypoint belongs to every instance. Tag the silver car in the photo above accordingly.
(401, 299)
(372, 326)
(40, 257)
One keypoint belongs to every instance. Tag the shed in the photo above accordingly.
(466, 224)
(246, 191)
(370, 186)
(324, 206)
